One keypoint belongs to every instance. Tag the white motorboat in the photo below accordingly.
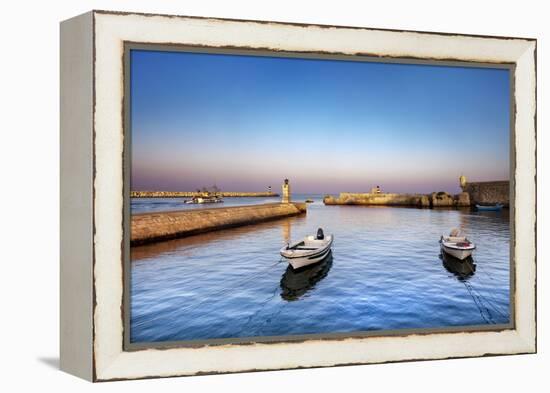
(457, 245)
(204, 200)
(310, 250)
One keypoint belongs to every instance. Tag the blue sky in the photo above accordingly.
(246, 122)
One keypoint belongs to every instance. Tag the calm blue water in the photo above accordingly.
(385, 272)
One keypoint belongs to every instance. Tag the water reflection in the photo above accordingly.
(287, 233)
(295, 283)
(462, 269)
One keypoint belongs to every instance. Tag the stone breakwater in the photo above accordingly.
(489, 192)
(152, 227)
(190, 194)
(435, 199)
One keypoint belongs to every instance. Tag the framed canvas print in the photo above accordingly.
(246, 195)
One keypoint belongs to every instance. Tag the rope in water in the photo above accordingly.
(236, 285)
(259, 329)
(489, 319)
(258, 312)
(494, 307)
(490, 295)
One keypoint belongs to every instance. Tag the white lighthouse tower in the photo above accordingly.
(286, 192)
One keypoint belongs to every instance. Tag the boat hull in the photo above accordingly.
(457, 253)
(297, 263)
(203, 201)
(493, 208)
(299, 258)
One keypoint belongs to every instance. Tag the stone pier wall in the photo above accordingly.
(385, 199)
(489, 192)
(152, 227)
(436, 199)
(190, 194)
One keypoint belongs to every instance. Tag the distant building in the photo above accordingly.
(375, 190)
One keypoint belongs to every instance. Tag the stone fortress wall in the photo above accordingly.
(488, 192)
(435, 199)
(472, 193)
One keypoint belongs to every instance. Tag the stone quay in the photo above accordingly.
(158, 226)
(439, 199)
(473, 193)
(153, 227)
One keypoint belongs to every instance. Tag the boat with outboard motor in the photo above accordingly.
(310, 250)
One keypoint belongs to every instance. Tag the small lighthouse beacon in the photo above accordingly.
(462, 179)
(286, 192)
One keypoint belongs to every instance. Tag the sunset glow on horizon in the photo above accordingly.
(247, 122)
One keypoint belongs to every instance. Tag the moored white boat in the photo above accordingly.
(205, 200)
(310, 250)
(457, 245)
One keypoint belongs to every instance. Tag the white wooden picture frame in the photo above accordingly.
(92, 194)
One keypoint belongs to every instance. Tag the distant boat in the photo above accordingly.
(309, 200)
(204, 200)
(457, 245)
(306, 252)
(490, 208)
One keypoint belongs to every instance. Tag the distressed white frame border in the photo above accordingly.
(111, 30)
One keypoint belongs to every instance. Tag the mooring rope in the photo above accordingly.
(478, 304)
(259, 329)
(494, 307)
(258, 312)
(225, 291)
